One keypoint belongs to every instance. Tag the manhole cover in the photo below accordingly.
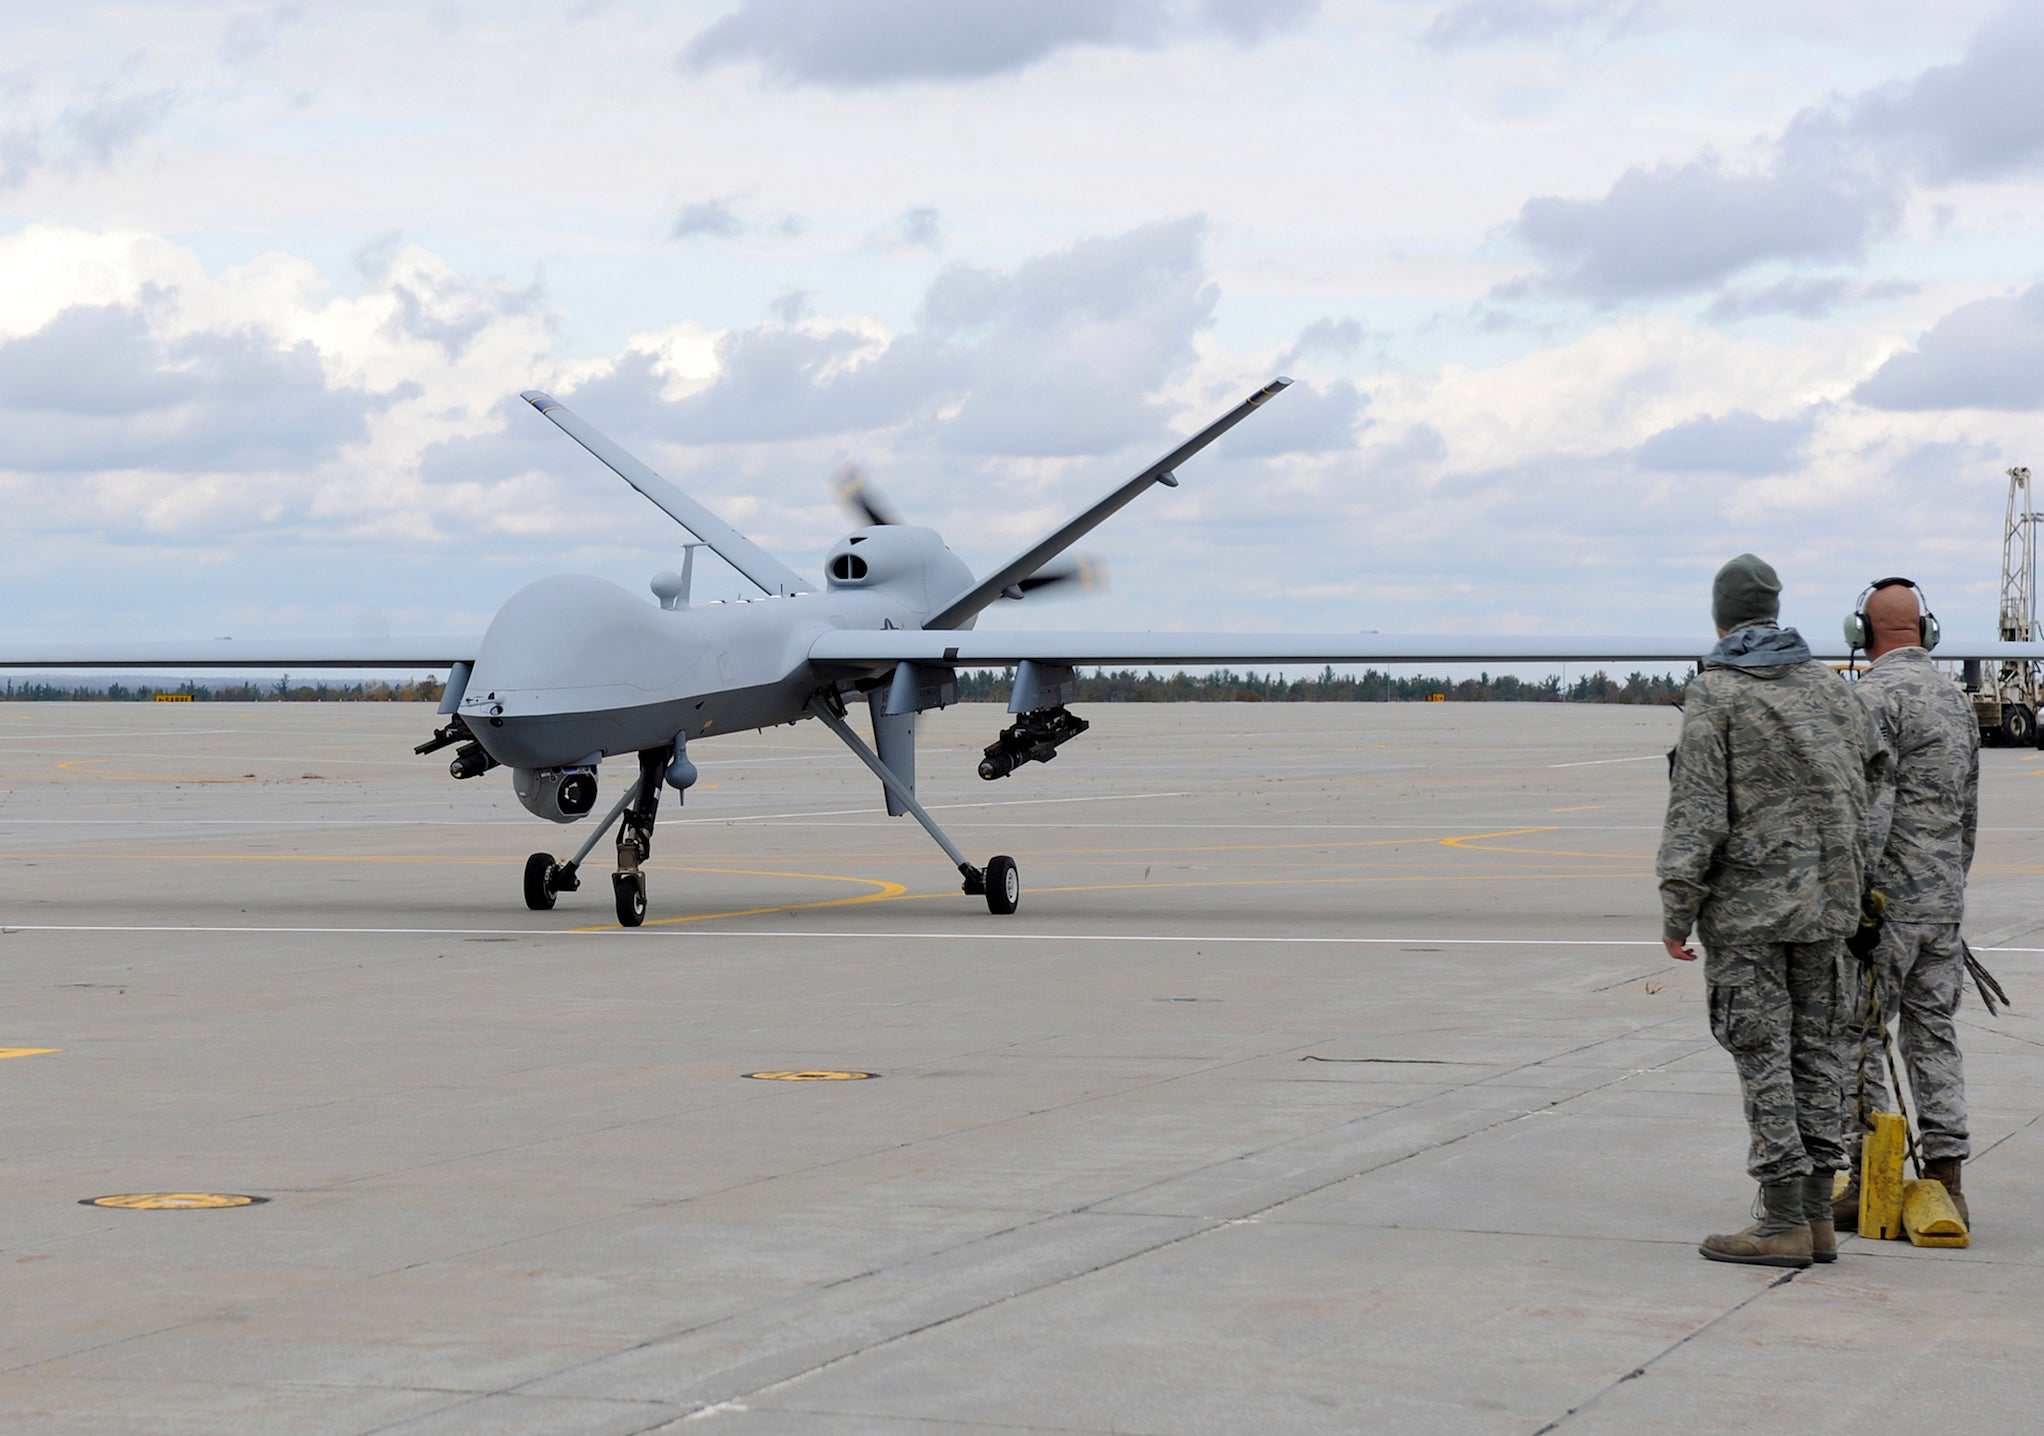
(810, 1076)
(174, 1201)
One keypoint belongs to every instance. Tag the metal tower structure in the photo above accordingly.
(2007, 706)
(2019, 562)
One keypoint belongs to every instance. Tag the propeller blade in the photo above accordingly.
(1086, 573)
(856, 492)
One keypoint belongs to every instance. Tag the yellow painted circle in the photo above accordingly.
(810, 1076)
(174, 1201)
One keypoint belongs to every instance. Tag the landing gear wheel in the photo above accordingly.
(539, 885)
(2018, 728)
(1004, 886)
(631, 897)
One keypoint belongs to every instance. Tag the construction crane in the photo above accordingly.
(2006, 700)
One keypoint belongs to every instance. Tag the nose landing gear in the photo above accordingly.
(545, 877)
(540, 872)
(635, 838)
(630, 891)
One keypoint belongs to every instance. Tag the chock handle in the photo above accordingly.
(1880, 1176)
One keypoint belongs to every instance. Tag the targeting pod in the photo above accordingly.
(560, 795)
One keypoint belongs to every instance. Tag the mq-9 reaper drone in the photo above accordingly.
(574, 670)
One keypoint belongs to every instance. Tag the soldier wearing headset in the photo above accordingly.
(1920, 832)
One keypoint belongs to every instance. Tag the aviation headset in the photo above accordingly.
(1858, 630)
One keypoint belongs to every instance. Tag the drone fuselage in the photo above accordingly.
(575, 669)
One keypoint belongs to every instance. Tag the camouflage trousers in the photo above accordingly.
(1781, 1010)
(1920, 973)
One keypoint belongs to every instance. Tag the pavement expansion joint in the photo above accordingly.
(1640, 1371)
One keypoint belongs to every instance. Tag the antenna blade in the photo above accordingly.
(754, 562)
(1027, 563)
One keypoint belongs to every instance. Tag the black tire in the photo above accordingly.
(1004, 886)
(631, 898)
(539, 886)
(2018, 726)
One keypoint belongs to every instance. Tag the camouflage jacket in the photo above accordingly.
(1920, 828)
(1768, 795)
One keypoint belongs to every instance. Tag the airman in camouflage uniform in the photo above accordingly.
(1920, 833)
(1761, 853)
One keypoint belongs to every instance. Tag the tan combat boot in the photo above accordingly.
(1946, 1170)
(1845, 1206)
(1780, 1238)
(1817, 1213)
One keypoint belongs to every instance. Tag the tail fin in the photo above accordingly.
(720, 538)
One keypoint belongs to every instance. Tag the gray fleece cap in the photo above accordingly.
(1746, 590)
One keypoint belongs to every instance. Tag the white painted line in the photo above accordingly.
(682, 930)
(13, 927)
(1194, 825)
(55, 735)
(340, 824)
(1600, 762)
(865, 812)
(810, 935)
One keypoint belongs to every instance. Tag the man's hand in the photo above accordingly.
(1677, 951)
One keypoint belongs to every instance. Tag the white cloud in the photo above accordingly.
(859, 43)
(1735, 443)
(1833, 183)
(93, 132)
(713, 218)
(1985, 355)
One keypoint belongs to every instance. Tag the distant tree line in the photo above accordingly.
(989, 685)
(1224, 685)
(279, 690)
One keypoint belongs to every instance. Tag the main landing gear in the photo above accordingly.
(998, 882)
(634, 815)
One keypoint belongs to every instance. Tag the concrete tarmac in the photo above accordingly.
(1331, 1078)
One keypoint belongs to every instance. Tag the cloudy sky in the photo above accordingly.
(1583, 296)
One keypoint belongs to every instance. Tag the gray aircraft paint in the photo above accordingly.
(574, 666)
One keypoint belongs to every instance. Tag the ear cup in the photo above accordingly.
(1858, 630)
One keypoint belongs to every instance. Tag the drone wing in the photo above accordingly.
(974, 649)
(1025, 565)
(273, 654)
(761, 567)
(866, 650)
